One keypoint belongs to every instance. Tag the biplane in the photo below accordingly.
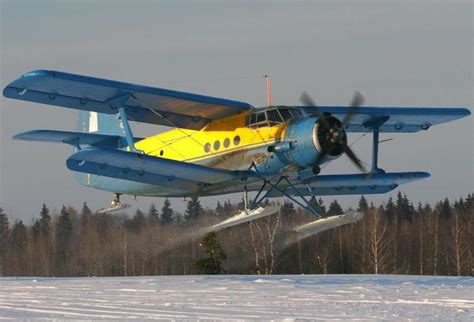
(219, 146)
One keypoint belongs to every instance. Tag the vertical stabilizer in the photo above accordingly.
(93, 122)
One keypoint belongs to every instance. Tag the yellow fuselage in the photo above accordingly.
(222, 143)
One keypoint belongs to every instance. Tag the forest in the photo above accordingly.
(396, 237)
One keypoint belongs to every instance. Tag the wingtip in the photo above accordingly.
(39, 72)
(421, 175)
(22, 136)
(12, 89)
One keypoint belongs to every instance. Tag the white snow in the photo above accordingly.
(317, 297)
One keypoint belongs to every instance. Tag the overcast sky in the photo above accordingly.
(401, 53)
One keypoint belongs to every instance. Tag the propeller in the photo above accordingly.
(308, 101)
(335, 134)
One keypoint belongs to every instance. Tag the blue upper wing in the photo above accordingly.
(143, 103)
(393, 119)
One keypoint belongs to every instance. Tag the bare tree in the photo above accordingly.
(378, 240)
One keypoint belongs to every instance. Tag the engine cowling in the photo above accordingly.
(306, 138)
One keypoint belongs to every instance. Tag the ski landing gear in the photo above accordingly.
(115, 205)
(320, 225)
(246, 215)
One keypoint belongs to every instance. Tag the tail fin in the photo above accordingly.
(93, 122)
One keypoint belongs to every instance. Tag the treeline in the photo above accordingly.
(397, 237)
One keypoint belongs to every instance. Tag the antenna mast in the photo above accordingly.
(269, 91)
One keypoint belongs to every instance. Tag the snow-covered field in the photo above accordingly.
(324, 297)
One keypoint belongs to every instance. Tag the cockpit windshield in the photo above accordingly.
(272, 116)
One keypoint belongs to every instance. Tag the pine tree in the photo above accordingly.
(4, 237)
(153, 215)
(391, 210)
(44, 221)
(318, 205)
(63, 241)
(228, 209)
(405, 209)
(193, 209)
(212, 264)
(19, 236)
(35, 229)
(166, 212)
(4, 226)
(363, 205)
(219, 209)
(137, 222)
(335, 209)
(445, 209)
(18, 243)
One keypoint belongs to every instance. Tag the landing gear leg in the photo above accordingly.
(114, 205)
(116, 200)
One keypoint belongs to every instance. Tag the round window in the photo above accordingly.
(236, 140)
(217, 145)
(226, 142)
(161, 153)
(207, 147)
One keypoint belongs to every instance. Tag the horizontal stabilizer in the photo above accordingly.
(393, 119)
(146, 169)
(245, 216)
(74, 138)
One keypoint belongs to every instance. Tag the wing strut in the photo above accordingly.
(274, 186)
(119, 104)
(374, 125)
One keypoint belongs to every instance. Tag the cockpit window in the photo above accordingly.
(296, 113)
(261, 117)
(285, 113)
(272, 116)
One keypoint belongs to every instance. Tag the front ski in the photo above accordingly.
(323, 224)
(113, 208)
(245, 216)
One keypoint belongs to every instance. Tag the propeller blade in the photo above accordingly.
(357, 101)
(324, 152)
(307, 100)
(353, 158)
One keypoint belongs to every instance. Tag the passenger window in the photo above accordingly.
(237, 140)
(226, 142)
(217, 145)
(285, 114)
(273, 117)
(207, 147)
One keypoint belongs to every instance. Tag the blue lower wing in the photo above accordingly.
(147, 169)
(354, 184)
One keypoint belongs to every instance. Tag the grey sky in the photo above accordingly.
(402, 53)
